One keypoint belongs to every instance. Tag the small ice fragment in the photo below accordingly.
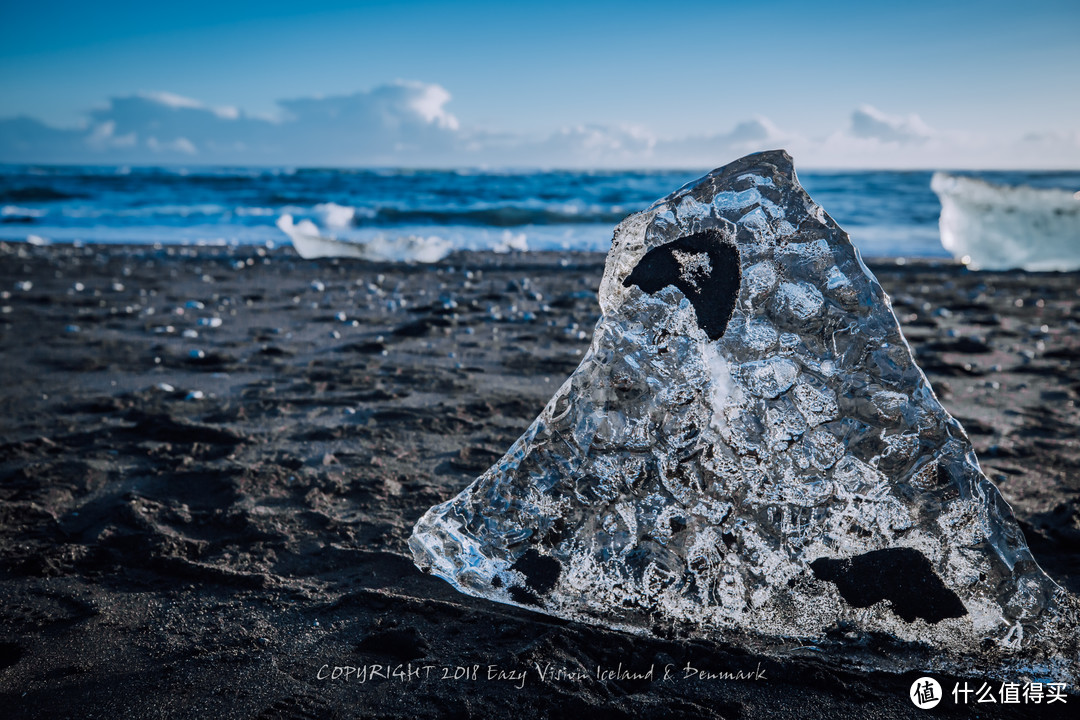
(165, 387)
(191, 334)
(317, 286)
(195, 395)
(24, 285)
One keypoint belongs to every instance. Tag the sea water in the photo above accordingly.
(887, 213)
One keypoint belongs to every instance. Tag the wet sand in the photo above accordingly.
(211, 461)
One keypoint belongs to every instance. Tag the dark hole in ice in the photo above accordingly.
(943, 477)
(712, 288)
(902, 576)
(541, 571)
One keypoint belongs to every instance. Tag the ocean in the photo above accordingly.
(887, 213)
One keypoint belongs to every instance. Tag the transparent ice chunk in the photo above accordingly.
(735, 459)
(999, 227)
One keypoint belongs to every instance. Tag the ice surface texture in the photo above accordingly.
(998, 227)
(748, 452)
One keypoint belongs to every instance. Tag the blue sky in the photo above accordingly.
(925, 84)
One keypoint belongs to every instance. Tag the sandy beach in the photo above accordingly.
(211, 460)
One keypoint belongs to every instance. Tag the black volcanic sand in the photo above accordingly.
(201, 521)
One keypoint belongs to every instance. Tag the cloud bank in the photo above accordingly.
(408, 124)
(870, 123)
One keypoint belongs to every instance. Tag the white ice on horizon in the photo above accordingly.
(1001, 227)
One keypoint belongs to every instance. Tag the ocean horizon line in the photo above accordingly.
(524, 169)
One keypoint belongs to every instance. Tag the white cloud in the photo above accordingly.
(103, 136)
(162, 124)
(429, 101)
(399, 123)
(1053, 139)
(714, 150)
(172, 100)
(587, 146)
(398, 105)
(391, 124)
(870, 123)
(880, 140)
(408, 123)
(876, 139)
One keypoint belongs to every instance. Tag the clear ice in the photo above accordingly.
(749, 453)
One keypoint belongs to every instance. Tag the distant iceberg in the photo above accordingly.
(310, 244)
(1000, 227)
